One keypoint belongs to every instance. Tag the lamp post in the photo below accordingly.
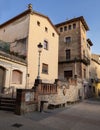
(40, 46)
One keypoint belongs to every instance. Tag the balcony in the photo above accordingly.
(86, 60)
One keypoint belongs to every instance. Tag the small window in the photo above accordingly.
(16, 77)
(69, 27)
(61, 29)
(45, 68)
(67, 54)
(46, 29)
(38, 23)
(65, 28)
(53, 34)
(45, 44)
(84, 53)
(67, 39)
(84, 72)
(74, 25)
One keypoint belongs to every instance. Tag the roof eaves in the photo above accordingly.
(15, 18)
(81, 18)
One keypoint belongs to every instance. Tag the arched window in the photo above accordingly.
(16, 77)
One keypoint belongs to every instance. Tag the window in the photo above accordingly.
(69, 27)
(67, 54)
(53, 34)
(68, 74)
(74, 25)
(83, 53)
(84, 72)
(45, 68)
(67, 39)
(45, 44)
(65, 28)
(46, 29)
(16, 77)
(38, 23)
(61, 29)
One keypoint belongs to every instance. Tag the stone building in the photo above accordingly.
(95, 66)
(95, 74)
(74, 49)
(12, 70)
(24, 32)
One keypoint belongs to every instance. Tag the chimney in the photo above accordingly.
(30, 6)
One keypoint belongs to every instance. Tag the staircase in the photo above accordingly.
(7, 104)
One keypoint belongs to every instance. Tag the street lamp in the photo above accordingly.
(40, 46)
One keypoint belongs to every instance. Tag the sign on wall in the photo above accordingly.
(29, 96)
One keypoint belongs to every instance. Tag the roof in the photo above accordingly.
(81, 18)
(15, 18)
(28, 11)
(12, 58)
(6, 54)
(96, 58)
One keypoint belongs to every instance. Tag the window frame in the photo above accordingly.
(44, 68)
(45, 44)
(61, 29)
(70, 27)
(65, 28)
(20, 74)
(38, 23)
(53, 34)
(67, 39)
(46, 29)
(74, 25)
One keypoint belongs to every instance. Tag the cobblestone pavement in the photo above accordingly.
(80, 116)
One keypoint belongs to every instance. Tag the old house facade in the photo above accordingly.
(12, 70)
(74, 49)
(24, 32)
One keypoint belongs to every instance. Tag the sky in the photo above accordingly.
(58, 11)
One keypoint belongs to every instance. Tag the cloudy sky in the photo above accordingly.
(58, 11)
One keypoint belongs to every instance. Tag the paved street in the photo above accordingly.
(80, 116)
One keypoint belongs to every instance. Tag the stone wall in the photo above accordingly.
(25, 101)
(70, 91)
(44, 95)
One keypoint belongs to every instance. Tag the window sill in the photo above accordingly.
(45, 73)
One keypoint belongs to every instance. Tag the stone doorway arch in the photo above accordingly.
(2, 78)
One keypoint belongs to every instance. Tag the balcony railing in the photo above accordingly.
(86, 60)
(46, 88)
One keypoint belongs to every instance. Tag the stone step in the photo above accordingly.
(7, 104)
